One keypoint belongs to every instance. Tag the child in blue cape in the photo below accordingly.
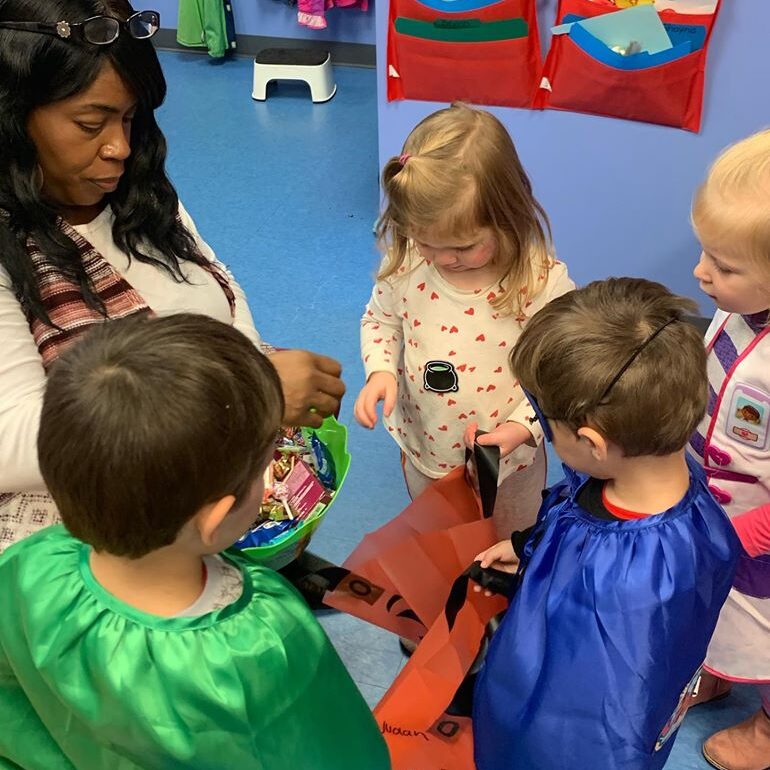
(621, 580)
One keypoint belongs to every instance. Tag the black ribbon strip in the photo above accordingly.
(487, 460)
(494, 580)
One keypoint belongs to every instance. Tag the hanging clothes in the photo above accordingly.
(207, 24)
(312, 13)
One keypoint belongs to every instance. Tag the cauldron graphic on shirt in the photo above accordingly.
(440, 377)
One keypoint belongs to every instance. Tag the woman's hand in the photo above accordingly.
(381, 386)
(508, 436)
(312, 388)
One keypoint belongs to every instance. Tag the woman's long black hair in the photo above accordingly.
(36, 70)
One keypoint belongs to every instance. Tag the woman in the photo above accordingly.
(90, 226)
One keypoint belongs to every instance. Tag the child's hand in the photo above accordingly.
(381, 386)
(500, 556)
(507, 436)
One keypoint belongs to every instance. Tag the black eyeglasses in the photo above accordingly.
(98, 30)
(543, 418)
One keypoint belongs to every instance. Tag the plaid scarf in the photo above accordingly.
(23, 513)
(63, 300)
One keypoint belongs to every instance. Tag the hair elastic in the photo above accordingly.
(404, 158)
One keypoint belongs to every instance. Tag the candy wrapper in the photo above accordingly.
(300, 482)
(263, 534)
(327, 473)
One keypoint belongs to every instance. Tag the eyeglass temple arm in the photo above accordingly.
(35, 26)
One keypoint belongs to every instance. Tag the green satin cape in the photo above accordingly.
(87, 682)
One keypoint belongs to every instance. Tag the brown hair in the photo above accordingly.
(571, 350)
(730, 210)
(459, 171)
(146, 419)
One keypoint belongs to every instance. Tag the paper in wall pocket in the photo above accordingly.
(599, 51)
(640, 24)
(678, 33)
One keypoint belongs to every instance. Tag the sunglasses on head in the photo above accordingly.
(543, 418)
(98, 30)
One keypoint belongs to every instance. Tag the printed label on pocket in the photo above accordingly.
(748, 417)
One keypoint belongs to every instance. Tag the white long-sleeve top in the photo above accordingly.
(22, 377)
(448, 349)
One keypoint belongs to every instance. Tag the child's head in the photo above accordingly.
(732, 221)
(151, 426)
(459, 193)
(615, 369)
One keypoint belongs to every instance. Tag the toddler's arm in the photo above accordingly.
(382, 335)
(507, 437)
(382, 338)
(500, 556)
(753, 528)
(381, 386)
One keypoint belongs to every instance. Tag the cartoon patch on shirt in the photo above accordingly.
(747, 420)
(748, 413)
(440, 377)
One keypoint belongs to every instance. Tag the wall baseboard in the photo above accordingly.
(352, 54)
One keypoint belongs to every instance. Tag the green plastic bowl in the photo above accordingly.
(289, 546)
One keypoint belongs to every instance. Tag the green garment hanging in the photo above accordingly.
(88, 682)
(204, 24)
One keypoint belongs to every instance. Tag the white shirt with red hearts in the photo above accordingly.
(417, 317)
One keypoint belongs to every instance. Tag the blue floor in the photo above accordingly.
(286, 192)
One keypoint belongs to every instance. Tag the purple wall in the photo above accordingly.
(618, 192)
(275, 19)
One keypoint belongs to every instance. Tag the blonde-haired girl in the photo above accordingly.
(732, 221)
(468, 259)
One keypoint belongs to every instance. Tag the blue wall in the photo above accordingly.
(618, 192)
(275, 19)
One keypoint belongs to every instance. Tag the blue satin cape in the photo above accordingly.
(608, 624)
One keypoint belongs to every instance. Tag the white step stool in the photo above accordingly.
(314, 67)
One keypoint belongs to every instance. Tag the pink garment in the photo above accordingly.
(753, 528)
(312, 13)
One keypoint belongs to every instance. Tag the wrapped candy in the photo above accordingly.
(327, 473)
(283, 466)
(281, 493)
(298, 485)
(263, 534)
